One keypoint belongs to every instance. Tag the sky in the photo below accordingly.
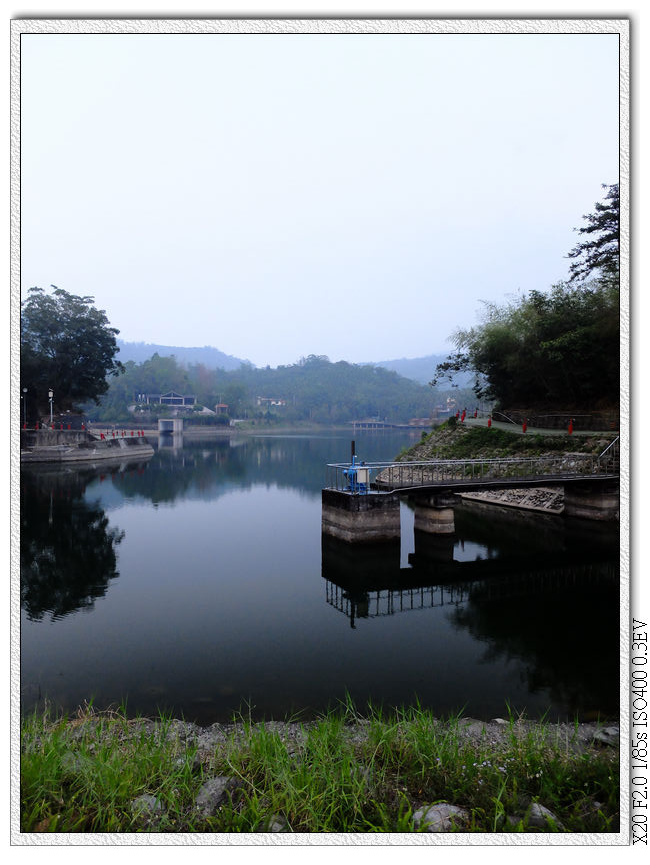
(359, 196)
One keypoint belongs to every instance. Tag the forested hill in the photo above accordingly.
(207, 355)
(313, 389)
(422, 369)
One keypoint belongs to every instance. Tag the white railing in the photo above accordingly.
(403, 475)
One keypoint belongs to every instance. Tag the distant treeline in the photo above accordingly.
(313, 389)
(207, 355)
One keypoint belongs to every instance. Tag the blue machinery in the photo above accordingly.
(357, 476)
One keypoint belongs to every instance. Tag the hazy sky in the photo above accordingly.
(356, 196)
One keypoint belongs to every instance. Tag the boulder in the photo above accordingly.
(608, 736)
(440, 818)
(213, 794)
(541, 818)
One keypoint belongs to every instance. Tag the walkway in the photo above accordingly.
(466, 475)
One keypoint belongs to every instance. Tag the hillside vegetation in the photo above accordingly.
(456, 441)
(558, 349)
(314, 389)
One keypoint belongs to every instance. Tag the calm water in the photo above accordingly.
(198, 583)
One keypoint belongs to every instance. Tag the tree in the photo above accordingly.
(555, 348)
(66, 345)
(559, 348)
(601, 251)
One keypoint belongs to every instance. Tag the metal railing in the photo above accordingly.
(610, 458)
(403, 475)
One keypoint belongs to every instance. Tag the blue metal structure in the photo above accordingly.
(357, 476)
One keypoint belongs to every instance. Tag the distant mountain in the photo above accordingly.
(210, 357)
(422, 369)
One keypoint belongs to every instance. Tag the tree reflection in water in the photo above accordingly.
(67, 550)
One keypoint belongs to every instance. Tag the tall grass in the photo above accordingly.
(344, 773)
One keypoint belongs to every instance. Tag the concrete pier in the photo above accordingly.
(434, 513)
(170, 425)
(360, 518)
(432, 549)
(592, 501)
(354, 566)
(70, 446)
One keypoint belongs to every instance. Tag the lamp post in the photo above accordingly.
(50, 393)
(25, 407)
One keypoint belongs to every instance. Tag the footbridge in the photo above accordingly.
(361, 499)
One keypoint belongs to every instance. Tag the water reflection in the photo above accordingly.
(518, 596)
(220, 605)
(205, 468)
(67, 550)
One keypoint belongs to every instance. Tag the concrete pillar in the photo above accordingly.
(430, 548)
(360, 518)
(170, 425)
(356, 567)
(434, 513)
(596, 500)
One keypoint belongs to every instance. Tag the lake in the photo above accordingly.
(198, 583)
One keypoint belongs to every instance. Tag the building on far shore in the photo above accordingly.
(171, 398)
(270, 402)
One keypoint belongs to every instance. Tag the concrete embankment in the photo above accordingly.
(55, 446)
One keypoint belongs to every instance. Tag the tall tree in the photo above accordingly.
(599, 253)
(558, 348)
(66, 345)
(551, 350)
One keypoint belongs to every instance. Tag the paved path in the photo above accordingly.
(516, 428)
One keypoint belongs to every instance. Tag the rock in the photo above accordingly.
(74, 764)
(148, 806)
(277, 823)
(440, 818)
(513, 821)
(183, 730)
(213, 794)
(194, 762)
(541, 818)
(608, 736)
(472, 728)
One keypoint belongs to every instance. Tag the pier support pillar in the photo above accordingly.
(431, 549)
(434, 513)
(592, 501)
(360, 518)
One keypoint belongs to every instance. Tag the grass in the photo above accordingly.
(456, 441)
(343, 773)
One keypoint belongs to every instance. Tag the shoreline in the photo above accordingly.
(405, 772)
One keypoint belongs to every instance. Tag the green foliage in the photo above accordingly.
(600, 252)
(66, 345)
(555, 348)
(546, 350)
(342, 773)
(314, 389)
